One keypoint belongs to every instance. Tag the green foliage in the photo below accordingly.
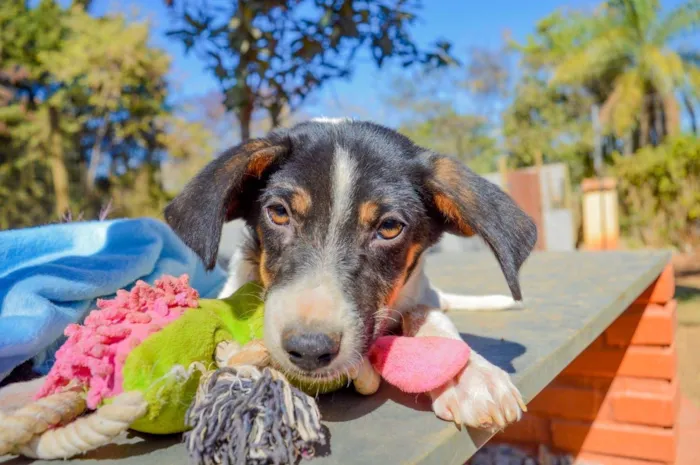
(83, 115)
(617, 59)
(660, 193)
(621, 57)
(465, 136)
(429, 104)
(551, 122)
(269, 55)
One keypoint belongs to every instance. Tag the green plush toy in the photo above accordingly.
(191, 339)
(174, 360)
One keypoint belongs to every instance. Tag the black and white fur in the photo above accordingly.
(323, 202)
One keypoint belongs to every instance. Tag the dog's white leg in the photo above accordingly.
(482, 395)
(419, 289)
(240, 271)
(476, 302)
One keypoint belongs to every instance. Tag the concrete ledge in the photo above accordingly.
(571, 298)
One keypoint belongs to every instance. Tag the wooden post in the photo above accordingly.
(601, 230)
(538, 160)
(568, 201)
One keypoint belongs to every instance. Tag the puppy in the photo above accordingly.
(340, 215)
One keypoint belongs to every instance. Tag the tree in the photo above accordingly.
(467, 137)
(108, 67)
(623, 56)
(456, 110)
(489, 81)
(26, 123)
(84, 117)
(551, 122)
(272, 54)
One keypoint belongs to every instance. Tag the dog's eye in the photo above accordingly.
(390, 229)
(278, 215)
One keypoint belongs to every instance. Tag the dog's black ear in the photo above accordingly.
(221, 192)
(469, 204)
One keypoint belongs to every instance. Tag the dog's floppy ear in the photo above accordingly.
(222, 192)
(469, 204)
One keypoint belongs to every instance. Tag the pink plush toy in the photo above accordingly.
(418, 364)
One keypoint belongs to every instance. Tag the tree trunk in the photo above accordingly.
(658, 121)
(644, 124)
(96, 155)
(59, 172)
(275, 113)
(672, 114)
(628, 144)
(245, 115)
(691, 113)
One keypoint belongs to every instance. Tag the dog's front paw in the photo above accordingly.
(481, 396)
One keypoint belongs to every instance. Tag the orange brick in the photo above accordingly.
(661, 290)
(633, 441)
(652, 324)
(587, 458)
(598, 343)
(649, 362)
(637, 361)
(530, 429)
(652, 386)
(570, 402)
(639, 404)
(601, 383)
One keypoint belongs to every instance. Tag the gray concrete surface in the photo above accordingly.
(570, 299)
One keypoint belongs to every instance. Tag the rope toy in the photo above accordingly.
(246, 415)
(24, 424)
(157, 359)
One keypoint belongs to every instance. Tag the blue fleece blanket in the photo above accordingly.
(50, 276)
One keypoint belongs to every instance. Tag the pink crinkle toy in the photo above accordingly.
(95, 351)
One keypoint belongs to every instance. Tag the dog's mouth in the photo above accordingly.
(338, 377)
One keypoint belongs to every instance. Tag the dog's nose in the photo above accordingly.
(310, 351)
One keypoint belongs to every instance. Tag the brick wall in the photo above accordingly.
(617, 402)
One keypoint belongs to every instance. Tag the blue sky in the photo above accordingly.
(465, 23)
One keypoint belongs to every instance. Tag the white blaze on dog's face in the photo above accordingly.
(340, 213)
(310, 322)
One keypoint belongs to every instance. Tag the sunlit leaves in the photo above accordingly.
(85, 98)
(660, 192)
(628, 42)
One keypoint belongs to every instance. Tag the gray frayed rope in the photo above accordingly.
(246, 416)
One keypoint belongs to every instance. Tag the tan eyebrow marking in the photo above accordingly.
(301, 200)
(368, 213)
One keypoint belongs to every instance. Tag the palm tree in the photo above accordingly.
(628, 44)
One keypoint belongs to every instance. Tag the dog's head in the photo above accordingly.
(341, 212)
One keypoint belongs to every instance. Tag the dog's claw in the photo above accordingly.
(456, 415)
(521, 403)
(497, 416)
(482, 396)
(511, 415)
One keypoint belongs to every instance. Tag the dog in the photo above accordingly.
(340, 214)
